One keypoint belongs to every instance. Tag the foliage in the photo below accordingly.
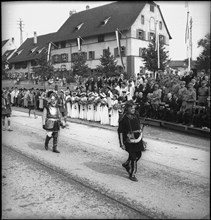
(203, 61)
(43, 68)
(79, 65)
(108, 64)
(150, 57)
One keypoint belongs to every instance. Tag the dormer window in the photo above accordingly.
(18, 52)
(106, 21)
(79, 26)
(40, 50)
(32, 50)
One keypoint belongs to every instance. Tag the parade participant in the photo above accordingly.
(90, 107)
(83, 106)
(31, 102)
(104, 116)
(6, 109)
(97, 107)
(51, 120)
(68, 103)
(62, 105)
(75, 107)
(203, 93)
(115, 111)
(130, 138)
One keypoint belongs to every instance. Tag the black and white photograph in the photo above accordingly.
(105, 109)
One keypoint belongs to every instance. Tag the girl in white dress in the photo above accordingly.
(104, 117)
(82, 106)
(114, 112)
(75, 107)
(97, 107)
(68, 103)
(90, 107)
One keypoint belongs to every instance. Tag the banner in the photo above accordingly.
(49, 50)
(79, 42)
(187, 28)
(119, 46)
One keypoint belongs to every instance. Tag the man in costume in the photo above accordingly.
(6, 109)
(51, 120)
(130, 138)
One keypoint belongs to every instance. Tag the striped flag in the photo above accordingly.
(119, 46)
(79, 42)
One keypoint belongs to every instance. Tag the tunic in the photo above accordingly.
(114, 114)
(104, 116)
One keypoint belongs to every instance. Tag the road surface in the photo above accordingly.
(174, 179)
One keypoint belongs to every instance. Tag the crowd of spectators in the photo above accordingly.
(169, 97)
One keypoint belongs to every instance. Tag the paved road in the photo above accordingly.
(31, 190)
(174, 179)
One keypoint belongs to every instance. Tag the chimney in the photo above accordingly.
(72, 12)
(35, 37)
(87, 7)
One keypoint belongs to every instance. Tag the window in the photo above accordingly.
(40, 50)
(141, 34)
(32, 50)
(152, 8)
(105, 21)
(160, 25)
(84, 55)
(162, 39)
(105, 51)
(74, 56)
(64, 57)
(91, 55)
(79, 26)
(142, 19)
(140, 52)
(63, 44)
(56, 58)
(116, 51)
(101, 38)
(151, 36)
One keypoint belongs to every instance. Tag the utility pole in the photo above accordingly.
(21, 31)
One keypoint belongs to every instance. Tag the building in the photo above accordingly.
(24, 58)
(93, 31)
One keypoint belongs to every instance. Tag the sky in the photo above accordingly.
(48, 16)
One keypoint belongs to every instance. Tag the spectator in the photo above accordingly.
(203, 93)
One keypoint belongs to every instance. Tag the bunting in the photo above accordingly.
(119, 46)
(49, 50)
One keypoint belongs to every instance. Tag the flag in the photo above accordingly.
(156, 37)
(187, 28)
(79, 42)
(117, 32)
(49, 50)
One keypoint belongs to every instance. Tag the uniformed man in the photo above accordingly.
(130, 138)
(51, 120)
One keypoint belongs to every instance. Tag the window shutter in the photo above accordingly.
(115, 52)
(149, 36)
(144, 35)
(123, 51)
(93, 55)
(140, 52)
(137, 33)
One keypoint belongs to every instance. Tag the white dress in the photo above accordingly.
(83, 108)
(97, 112)
(75, 108)
(104, 118)
(68, 99)
(114, 115)
(90, 111)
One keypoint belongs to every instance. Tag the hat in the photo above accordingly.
(83, 94)
(51, 93)
(129, 103)
(74, 93)
(103, 95)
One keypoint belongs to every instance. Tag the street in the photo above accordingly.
(174, 179)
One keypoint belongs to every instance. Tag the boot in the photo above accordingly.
(127, 166)
(133, 171)
(55, 145)
(47, 139)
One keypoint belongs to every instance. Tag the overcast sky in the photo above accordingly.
(48, 16)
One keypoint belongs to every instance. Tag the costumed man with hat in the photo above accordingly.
(130, 137)
(51, 120)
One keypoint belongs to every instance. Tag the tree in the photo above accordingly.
(203, 61)
(108, 64)
(42, 68)
(150, 57)
(79, 65)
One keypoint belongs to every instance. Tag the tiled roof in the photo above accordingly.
(6, 54)
(4, 42)
(28, 45)
(122, 16)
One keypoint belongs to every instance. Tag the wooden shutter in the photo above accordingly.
(140, 52)
(137, 33)
(115, 52)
